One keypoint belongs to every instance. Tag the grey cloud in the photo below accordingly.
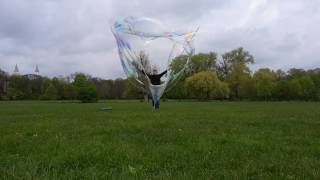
(185, 10)
(74, 35)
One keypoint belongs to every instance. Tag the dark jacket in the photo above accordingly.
(155, 78)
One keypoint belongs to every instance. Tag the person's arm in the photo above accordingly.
(163, 73)
(142, 71)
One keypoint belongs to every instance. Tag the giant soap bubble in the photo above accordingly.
(145, 45)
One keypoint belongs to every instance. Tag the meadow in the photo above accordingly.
(184, 140)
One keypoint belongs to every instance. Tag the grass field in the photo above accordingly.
(184, 140)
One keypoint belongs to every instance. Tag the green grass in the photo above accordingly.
(184, 140)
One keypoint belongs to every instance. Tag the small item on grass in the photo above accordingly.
(132, 170)
(106, 109)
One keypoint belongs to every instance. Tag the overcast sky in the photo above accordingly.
(66, 36)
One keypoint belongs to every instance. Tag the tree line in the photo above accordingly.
(206, 77)
(231, 78)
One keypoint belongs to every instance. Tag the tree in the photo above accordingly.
(203, 62)
(247, 88)
(3, 84)
(222, 90)
(234, 69)
(315, 76)
(142, 67)
(264, 80)
(294, 89)
(59, 85)
(45, 84)
(86, 92)
(119, 88)
(199, 62)
(19, 88)
(205, 85)
(69, 92)
(296, 73)
(308, 87)
(51, 93)
(100, 86)
(280, 74)
(281, 90)
(234, 57)
(131, 91)
(237, 79)
(145, 62)
(108, 89)
(178, 63)
(35, 86)
(178, 91)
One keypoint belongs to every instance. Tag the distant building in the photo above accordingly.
(32, 76)
(36, 71)
(16, 70)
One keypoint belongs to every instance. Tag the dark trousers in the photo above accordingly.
(155, 104)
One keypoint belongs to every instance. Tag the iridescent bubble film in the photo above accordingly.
(144, 44)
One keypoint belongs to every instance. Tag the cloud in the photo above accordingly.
(63, 37)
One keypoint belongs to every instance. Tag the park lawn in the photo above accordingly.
(184, 140)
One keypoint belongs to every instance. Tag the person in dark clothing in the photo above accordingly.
(155, 79)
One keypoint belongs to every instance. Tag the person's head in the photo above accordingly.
(154, 70)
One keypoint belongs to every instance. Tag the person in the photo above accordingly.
(155, 79)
